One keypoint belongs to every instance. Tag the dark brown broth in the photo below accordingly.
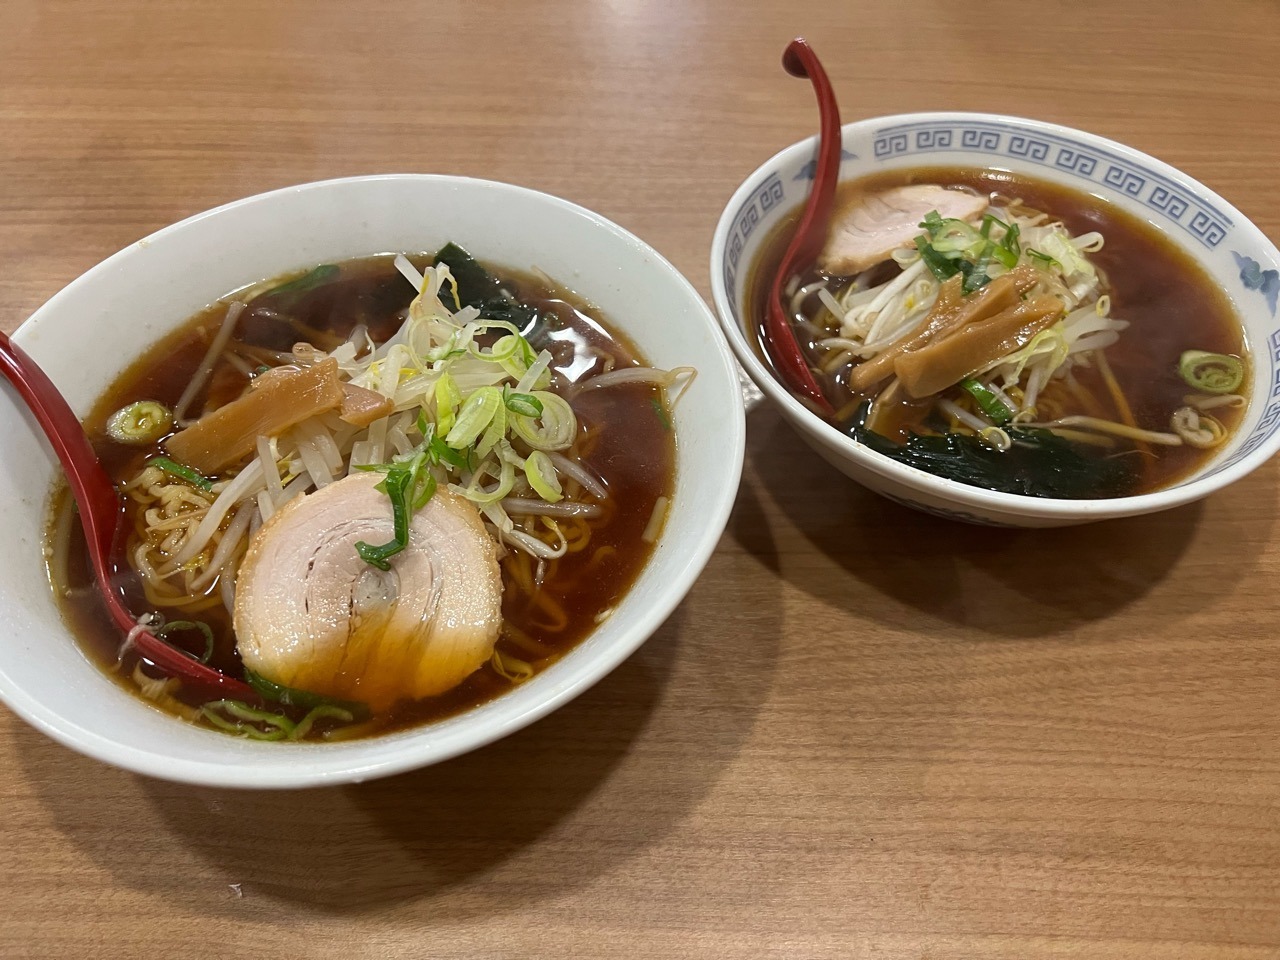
(1171, 303)
(634, 454)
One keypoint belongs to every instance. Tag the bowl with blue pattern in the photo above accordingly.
(1233, 252)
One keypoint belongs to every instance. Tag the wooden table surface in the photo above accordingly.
(866, 733)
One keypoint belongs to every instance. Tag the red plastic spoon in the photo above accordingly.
(102, 515)
(799, 60)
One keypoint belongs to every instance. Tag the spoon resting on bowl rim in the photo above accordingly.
(102, 516)
(784, 349)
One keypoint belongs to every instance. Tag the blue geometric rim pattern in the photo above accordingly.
(1193, 214)
(1186, 209)
(767, 197)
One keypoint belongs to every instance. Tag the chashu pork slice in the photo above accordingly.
(866, 230)
(311, 614)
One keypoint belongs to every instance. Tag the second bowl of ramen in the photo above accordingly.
(1010, 322)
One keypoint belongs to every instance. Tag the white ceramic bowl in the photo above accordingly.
(1230, 248)
(89, 332)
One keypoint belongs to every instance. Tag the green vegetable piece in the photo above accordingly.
(301, 699)
(1043, 259)
(939, 266)
(1211, 372)
(182, 472)
(661, 413)
(954, 246)
(1037, 464)
(933, 223)
(396, 485)
(475, 415)
(145, 421)
(524, 404)
(321, 274)
(176, 625)
(541, 473)
(988, 402)
(480, 289)
(324, 711)
(410, 486)
(440, 452)
(1013, 242)
(246, 718)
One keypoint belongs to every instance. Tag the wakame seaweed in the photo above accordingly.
(308, 281)
(477, 287)
(1038, 464)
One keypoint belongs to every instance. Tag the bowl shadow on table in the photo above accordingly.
(1036, 582)
(492, 831)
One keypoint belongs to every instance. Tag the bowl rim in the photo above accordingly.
(307, 765)
(1009, 504)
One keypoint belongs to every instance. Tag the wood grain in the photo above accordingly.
(866, 733)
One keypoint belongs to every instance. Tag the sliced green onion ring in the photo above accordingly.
(526, 405)
(506, 480)
(542, 477)
(497, 430)
(448, 399)
(475, 415)
(323, 712)
(554, 430)
(1211, 372)
(200, 625)
(246, 718)
(144, 421)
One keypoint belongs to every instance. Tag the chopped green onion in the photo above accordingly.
(497, 430)
(504, 348)
(163, 633)
(939, 266)
(448, 399)
(1013, 240)
(410, 487)
(520, 358)
(441, 452)
(975, 275)
(145, 421)
(321, 274)
(661, 413)
(302, 699)
(1043, 259)
(957, 237)
(953, 246)
(246, 719)
(526, 405)
(933, 222)
(542, 477)
(554, 429)
(182, 472)
(506, 480)
(988, 402)
(324, 711)
(476, 413)
(1211, 372)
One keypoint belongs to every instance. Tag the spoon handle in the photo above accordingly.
(799, 60)
(92, 488)
(780, 339)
